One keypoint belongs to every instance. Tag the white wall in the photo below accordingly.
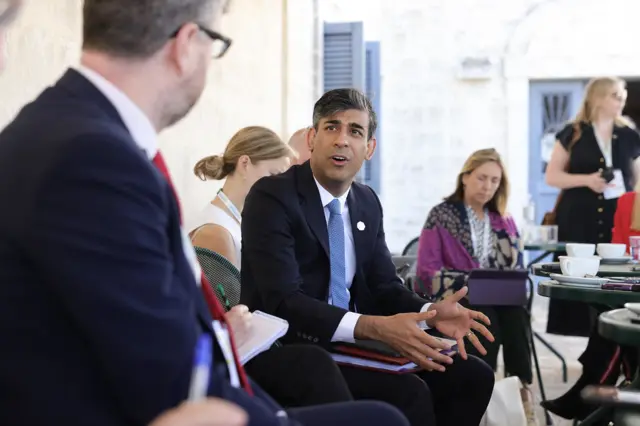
(264, 79)
(433, 118)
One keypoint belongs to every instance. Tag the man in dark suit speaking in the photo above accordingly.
(314, 253)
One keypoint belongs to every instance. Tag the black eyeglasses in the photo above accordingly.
(220, 43)
(8, 10)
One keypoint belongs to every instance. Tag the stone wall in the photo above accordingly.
(266, 78)
(434, 115)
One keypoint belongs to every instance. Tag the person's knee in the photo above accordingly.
(316, 356)
(381, 413)
(412, 388)
(473, 373)
(480, 373)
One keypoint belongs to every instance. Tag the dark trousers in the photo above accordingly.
(510, 326)
(299, 376)
(365, 413)
(457, 397)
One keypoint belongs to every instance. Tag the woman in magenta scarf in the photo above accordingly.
(470, 230)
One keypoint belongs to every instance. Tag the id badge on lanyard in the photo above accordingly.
(222, 335)
(616, 187)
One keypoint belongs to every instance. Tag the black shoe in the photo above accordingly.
(567, 408)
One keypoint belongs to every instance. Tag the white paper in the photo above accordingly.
(616, 187)
(265, 330)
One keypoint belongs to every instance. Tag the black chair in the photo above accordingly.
(411, 249)
(223, 276)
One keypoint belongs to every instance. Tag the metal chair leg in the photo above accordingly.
(556, 353)
(536, 361)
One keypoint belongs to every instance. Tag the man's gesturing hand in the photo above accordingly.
(456, 321)
(402, 333)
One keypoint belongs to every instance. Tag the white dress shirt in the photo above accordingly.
(144, 135)
(346, 327)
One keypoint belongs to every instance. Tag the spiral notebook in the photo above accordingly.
(265, 330)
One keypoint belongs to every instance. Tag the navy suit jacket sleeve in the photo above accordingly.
(101, 234)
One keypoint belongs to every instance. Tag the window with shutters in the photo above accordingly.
(372, 89)
(350, 62)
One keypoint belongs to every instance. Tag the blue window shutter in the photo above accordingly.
(344, 56)
(344, 60)
(372, 168)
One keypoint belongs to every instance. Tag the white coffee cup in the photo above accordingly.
(579, 266)
(580, 250)
(611, 251)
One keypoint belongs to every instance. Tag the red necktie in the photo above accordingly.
(212, 301)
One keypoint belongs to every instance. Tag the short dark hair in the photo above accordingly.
(339, 100)
(139, 28)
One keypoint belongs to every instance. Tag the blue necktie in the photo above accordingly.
(338, 283)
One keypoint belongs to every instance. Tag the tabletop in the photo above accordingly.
(623, 270)
(585, 294)
(616, 325)
(555, 247)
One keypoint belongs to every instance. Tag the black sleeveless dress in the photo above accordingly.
(586, 217)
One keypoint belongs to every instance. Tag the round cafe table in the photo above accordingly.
(616, 325)
(613, 298)
(547, 250)
(605, 270)
(585, 294)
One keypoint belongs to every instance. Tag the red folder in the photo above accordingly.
(377, 356)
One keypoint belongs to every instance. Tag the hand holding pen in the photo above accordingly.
(201, 372)
(199, 410)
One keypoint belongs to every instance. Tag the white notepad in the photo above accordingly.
(265, 330)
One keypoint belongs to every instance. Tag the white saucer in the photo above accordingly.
(616, 260)
(633, 307)
(579, 281)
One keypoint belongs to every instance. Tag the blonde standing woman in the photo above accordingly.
(593, 164)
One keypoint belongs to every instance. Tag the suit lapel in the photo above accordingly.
(358, 224)
(312, 206)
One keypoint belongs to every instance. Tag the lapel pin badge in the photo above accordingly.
(360, 226)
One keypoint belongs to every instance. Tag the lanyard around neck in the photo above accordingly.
(229, 205)
(481, 249)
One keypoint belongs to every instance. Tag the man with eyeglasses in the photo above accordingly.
(101, 296)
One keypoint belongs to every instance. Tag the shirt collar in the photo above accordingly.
(136, 121)
(326, 197)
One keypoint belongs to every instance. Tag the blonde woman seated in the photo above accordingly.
(253, 152)
(471, 230)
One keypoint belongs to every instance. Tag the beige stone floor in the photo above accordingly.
(570, 347)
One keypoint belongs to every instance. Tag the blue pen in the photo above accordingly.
(201, 369)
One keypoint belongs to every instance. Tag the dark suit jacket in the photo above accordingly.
(99, 309)
(285, 257)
